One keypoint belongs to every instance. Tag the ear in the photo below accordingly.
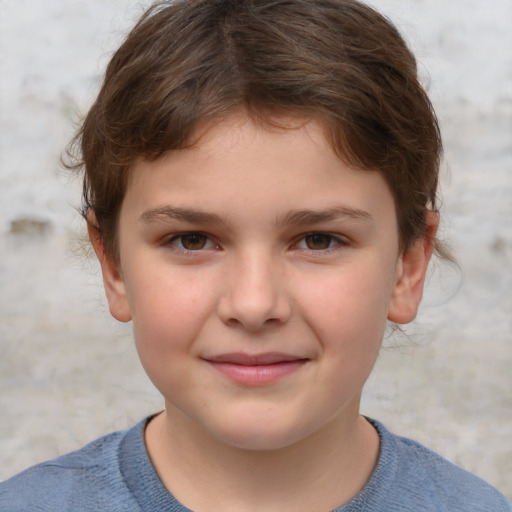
(115, 288)
(411, 271)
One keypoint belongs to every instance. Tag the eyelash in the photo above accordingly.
(334, 242)
(175, 239)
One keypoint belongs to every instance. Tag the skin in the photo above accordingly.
(260, 245)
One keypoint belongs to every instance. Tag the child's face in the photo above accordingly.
(259, 271)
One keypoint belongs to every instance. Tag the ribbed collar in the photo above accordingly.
(151, 495)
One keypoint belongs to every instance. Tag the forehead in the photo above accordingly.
(244, 169)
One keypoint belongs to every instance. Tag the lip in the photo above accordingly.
(256, 369)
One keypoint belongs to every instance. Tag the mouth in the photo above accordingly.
(256, 369)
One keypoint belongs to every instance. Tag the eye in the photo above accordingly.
(191, 241)
(319, 242)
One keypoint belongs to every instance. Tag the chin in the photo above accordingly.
(258, 442)
(259, 435)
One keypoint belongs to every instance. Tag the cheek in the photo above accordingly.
(167, 322)
(348, 311)
(168, 314)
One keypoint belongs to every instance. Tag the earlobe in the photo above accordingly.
(411, 272)
(113, 281)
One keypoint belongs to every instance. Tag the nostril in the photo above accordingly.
(254, 315)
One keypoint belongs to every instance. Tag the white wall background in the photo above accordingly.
(68, 373)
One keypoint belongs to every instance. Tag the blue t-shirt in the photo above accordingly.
(114, 474)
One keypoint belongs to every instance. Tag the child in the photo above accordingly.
(260, 184)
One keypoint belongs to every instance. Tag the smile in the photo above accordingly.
(258, 369)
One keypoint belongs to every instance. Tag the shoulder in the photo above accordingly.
(430, 482)
(86, 479)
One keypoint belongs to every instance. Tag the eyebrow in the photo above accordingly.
(294, 217)
(166, 213)
(305, 216)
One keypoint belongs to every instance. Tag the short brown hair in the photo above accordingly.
(187, 61)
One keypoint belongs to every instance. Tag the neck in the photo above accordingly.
(320, 472)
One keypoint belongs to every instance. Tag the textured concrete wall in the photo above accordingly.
(69, 373)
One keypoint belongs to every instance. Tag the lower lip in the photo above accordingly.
(258, 375)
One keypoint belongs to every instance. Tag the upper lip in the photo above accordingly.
(254, 359)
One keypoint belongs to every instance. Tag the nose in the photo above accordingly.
(255, 295)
